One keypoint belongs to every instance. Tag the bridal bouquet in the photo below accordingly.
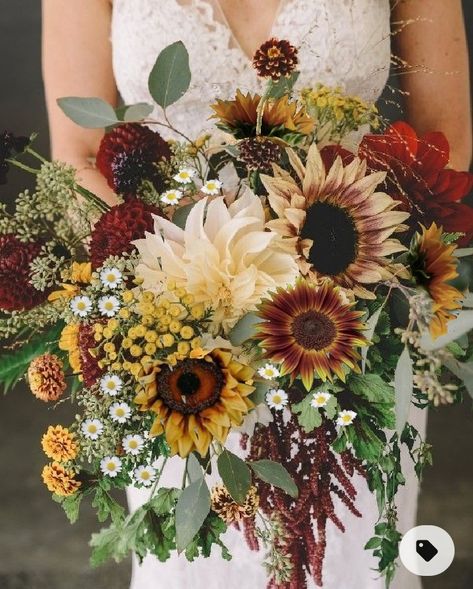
(279, 282)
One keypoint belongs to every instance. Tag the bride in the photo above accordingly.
(99, 47)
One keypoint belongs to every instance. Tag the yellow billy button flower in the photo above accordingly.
(187, 332)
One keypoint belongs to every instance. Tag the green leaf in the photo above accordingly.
(371, 387)
(235, 474)
(403, 385)
(374, 542)
(282, 87)
(244, 329)
(180, 216)
(309, 417)
(369, 333)
(192, 508)
(137, 112)
(455, 329)
(194, 468)
(463, 371)
(171, 76)
(275, 474)
(107, 506)
(71, 506)
(92, 113)
(14, 366)
(165, 500)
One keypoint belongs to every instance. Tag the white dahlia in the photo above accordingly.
(224, 256)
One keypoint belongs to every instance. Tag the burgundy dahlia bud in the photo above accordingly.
(275, 59)
(16, 291)
(128, 155)
(117, 228)
(9, 147)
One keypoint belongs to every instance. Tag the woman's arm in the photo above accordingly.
(433, 39)
(77, 61)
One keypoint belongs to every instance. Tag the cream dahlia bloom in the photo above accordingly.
(224, 257)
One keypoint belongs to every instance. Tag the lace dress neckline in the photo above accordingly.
(205, 12)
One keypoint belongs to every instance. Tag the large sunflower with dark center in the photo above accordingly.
(197, 400)
(340, 228)
(311, 332)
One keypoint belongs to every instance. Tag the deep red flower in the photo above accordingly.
(418, 176)
(129, 154)
(118, 227)
(329, 154)
(16, 291)
(90, 368)
(10, 146)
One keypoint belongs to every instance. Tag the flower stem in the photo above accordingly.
(22, 166)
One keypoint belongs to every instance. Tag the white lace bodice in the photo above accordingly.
(341, 42)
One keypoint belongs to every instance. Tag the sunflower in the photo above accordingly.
(197, 400)
(339, 226)
(311, 331)
(238, 117)
(434, 265)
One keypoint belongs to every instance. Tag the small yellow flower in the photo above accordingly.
(136, 351)
(81, 272)
(128, 296)
(150, 349)
(127, 343)
(187, 332)
(124, 313)
(167, 340)
(175, 326)
(151, 336)
(183, 348)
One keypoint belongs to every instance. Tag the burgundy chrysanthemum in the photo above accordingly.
(16, 291)
(91, 370)
(275, 58)
(118, 227)
(129, 154)
(10, 145)
(417, 175)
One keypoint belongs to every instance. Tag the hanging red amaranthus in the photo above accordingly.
(319, 476)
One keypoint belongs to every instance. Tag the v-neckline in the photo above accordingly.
(234, 39)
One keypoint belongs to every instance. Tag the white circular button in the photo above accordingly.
(427, 551)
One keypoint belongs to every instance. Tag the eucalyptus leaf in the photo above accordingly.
(194, 468)
(369, 333)
(137, 112)
(463, 371)
(463, 252)
(468, 300)
(192, 508)
(457, 327)
(403, 386)
(91, 113)
(171, 76)
(180, 216)
(275, 474)
(235, 474)
(282, 87)
(244, 329)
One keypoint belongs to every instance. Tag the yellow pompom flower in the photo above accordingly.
(187, 332)
(60, 480)
(59, 444)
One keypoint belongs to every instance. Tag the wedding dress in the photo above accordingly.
(341, 42)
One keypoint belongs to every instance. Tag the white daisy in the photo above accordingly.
(184, 176)
(109, 306)
(171, 197)
(81, 306)
(346, 417)
(111, 384)
(120, 412)
(111, 466)
(133, 444)
(111, 277)
(276, 399)
(145, 475)
(212, 187)
(269, 371)
(320, 399)
(92, 428)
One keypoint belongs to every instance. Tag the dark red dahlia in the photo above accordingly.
(89, 363)
(329, 154)
(275, 58)
(418, 176)
(9, 146)
(118, 227)
(129, 154)
(16, 291)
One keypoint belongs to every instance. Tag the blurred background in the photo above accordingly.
(39, 549)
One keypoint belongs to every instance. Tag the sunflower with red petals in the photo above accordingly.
(311, 331)
(419, 177)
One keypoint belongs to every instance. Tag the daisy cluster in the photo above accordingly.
(187, 184)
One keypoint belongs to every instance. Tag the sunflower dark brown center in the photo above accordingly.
(191, 386)
(313, 330)
(335, 238)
